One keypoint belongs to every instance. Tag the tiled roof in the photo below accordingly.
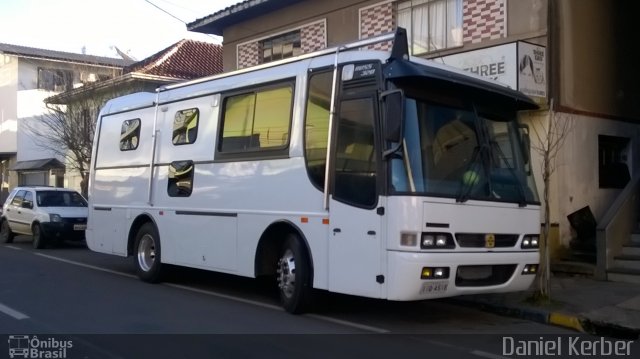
(186, 59)
(60, 55)
(242, 11)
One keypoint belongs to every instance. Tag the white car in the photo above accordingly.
(46, 213)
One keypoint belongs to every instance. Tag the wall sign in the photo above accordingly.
(517, 65)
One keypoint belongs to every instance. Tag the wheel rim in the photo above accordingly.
(146, 252)
(287, 273)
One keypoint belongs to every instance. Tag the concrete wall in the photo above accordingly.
(598, 72)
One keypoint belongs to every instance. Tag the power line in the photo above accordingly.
(165, 11)
(175, 17)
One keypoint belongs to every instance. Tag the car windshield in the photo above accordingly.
(461, 149)
(60, 199)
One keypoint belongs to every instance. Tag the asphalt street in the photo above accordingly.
(96, 300)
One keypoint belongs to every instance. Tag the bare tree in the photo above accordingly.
(67, 131)
(550, 138)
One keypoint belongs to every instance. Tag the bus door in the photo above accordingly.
(355, 237)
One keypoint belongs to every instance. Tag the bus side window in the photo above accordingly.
(180, 182)
(130, 135)
(185, 126)
(317, 126)
(257, 120)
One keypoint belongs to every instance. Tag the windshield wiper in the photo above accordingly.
(480, 162)
(519, 185)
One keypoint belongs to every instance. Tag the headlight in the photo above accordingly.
(530, 241)
(530, 269)
(437, 241)
(55, 218)
(408, 239)
(434, 273)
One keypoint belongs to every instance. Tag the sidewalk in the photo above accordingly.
(597, 307)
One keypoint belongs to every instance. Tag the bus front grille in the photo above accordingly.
(478, 240)
(484, 275)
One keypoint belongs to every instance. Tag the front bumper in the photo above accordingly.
(64, 230)
(404, 282)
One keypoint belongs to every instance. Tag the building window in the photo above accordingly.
(130, 135)
(185, 126)
(55, 80)
(257, 120)
(281, 47)
(431, 25)
(613, 171)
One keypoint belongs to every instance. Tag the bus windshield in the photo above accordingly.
(460, 148)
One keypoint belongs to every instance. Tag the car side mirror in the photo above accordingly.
(27, 204)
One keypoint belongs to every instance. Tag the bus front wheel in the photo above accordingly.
(293, 275)
(147, 254)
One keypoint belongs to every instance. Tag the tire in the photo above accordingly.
(39, 239)
(294, 276)
(6, 236)
(147, 254)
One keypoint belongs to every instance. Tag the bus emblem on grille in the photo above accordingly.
(489, 240)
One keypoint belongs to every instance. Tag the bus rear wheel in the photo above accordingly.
(147, 254)
(293, 276)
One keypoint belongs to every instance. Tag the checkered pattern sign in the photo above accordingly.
(483, 20)
(375, 21)
(248, 55)
(313, 37)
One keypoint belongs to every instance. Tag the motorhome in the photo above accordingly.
(370, 173)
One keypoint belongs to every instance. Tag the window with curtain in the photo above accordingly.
(431, 25)
(281, 47)
(257, 120)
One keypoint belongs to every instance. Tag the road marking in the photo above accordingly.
(225, 296)
(349, 324)
(12, 312)
(14, 247)
(86, 265)
(480, 353)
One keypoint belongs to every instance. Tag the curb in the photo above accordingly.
(578, 323)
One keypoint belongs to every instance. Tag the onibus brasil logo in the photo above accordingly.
(32, 347)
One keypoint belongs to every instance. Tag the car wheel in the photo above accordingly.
(6, 236)
(39, 239)
(147, 254)
(293, 275)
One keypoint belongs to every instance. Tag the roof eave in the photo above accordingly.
(66, 97)
(246, 10)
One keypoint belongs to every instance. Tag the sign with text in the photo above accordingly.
(517, 65)
(532, 67)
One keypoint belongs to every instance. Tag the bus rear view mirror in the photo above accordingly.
(525, 143)
(393, 101)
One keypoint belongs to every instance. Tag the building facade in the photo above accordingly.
(571, 56)
(184, 60)
(27, 77)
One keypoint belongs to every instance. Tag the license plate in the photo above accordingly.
(79, 227)
(434, 287)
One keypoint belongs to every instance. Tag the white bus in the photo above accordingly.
(361, 172)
